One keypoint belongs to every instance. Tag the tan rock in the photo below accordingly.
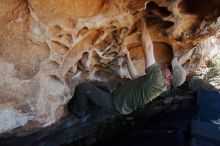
(47, 47)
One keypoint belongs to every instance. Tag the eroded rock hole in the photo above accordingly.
(58, 48)
(82, 31)
(160, 24)
(72, 72)
(54, 30)
(156, 10)
(119, 34)
(200, 7)
(82, 64)
(155, 15)
(54, 77)
(70, 23)
(111, 53)
(67, 38)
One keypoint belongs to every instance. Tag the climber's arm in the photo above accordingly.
(131, 68)
(147, 45)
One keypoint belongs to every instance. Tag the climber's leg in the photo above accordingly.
(86, 91)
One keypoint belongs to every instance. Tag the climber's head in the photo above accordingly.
(167, 75)
(174, 74)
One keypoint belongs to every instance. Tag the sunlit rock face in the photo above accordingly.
(49, 46)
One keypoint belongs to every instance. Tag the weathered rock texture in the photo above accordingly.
(48, 46)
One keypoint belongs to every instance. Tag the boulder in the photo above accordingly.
(47, 47)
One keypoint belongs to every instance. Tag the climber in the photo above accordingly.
(134, 93)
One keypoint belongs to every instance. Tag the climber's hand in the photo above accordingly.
(125, 52)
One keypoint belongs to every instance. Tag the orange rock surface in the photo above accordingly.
(49, 46)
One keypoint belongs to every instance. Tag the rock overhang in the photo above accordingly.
(49, 46)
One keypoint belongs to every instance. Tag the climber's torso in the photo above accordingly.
(138, 92)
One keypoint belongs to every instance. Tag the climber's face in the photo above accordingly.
(167, 75)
